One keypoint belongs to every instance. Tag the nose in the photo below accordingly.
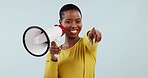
(73, 24)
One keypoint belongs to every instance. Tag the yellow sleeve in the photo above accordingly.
(51, 69)
(91, 48)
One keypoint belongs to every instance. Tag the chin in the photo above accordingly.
(73, 36)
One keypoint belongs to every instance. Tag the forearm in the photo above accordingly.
(51, 69)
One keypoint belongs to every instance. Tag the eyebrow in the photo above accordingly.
(76, 19)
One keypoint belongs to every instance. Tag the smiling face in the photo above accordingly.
(72, 21)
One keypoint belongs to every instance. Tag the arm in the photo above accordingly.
(51, 69)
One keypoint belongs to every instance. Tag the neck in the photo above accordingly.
(70, 42)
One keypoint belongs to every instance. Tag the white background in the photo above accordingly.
(122, 53)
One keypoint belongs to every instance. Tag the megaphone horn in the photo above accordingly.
(36, 40)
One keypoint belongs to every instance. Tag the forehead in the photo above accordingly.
(71, 14)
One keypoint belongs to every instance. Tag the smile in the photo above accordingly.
(74, 32)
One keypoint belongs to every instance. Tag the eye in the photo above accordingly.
(68, 21)
(78, 21)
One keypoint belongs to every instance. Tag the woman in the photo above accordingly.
(77, 58)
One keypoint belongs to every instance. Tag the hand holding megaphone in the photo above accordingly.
(37, 41)
(54, 51)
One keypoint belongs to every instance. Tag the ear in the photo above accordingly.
(60, 21)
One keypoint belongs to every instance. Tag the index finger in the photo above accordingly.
(93, 30)
(53, 43)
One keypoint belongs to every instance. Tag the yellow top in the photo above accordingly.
(76, 62)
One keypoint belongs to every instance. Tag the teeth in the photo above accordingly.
(74, 31)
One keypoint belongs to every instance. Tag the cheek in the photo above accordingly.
(65, 25)
(80, 27)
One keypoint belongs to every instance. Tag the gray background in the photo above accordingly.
(122, 53)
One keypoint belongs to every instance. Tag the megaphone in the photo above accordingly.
(37, 41)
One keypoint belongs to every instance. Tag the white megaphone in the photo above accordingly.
(37, 40)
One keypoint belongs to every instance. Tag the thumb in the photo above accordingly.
(91, 35)
(90, 40)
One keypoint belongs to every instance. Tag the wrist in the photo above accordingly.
(54, 59)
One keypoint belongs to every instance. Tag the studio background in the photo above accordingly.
(122, 53)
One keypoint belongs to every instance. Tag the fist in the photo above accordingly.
(54, 49)
(94, 34)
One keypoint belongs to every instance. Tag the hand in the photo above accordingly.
(94, 34)
(54, 49)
